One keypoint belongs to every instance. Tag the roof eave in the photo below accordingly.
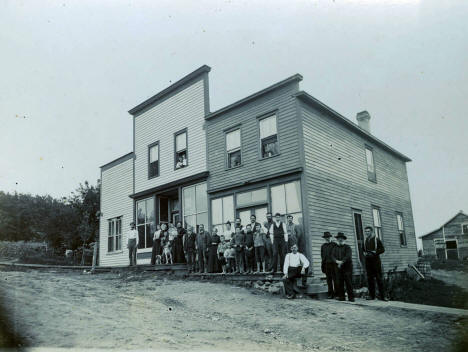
(310, 99)
(150, 101)
(297, 77)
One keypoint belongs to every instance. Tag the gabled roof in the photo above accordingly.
(307, 98)
(297, 77)
(440, 228)
(170, 89)
(117, 161)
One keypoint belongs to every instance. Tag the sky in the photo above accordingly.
(70, 71)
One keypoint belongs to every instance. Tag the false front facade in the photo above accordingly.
(278, 150)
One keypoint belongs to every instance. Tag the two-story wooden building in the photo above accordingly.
(277, 150)
(450, 241)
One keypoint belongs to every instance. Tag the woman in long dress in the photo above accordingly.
(179, 256)
(213, 252)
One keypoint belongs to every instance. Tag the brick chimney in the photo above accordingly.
(363, 119)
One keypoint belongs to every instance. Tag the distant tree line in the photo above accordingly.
(69, 222)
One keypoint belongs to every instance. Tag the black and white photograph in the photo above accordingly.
(234, 175)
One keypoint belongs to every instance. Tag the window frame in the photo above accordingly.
(223, 224)
(371, 176)
(178, 133)
(379, 233)
(226, 154)
(116, 237)
(401, 232)
(464, 224)
(146, 222)
(263, 117)
(149, 160)
(197, 213)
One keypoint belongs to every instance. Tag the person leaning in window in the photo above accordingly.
(238, 242)
(373, 248)
(181, 161)
(295, 266)
(328, 265)
(190, 240)
(132, 244)
(279, 239)
(156, 244)
(342, 257)
(203, 243)
(259, 245)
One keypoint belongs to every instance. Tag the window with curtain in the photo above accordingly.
(153, 164)
(371, 176)
(114, 238)
(286, 199)
(181, 157)
(268, 137)
(377, 222)
(401, 229)
(222, 211)
(145, 222)
(195, 206)
(233, 148)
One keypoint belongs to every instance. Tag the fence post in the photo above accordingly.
(95, 253)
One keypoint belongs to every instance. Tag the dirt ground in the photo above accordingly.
(72, 310)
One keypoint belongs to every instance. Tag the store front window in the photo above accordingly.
(286, 199)
(195, 206)
(145, 222)
(222, 211)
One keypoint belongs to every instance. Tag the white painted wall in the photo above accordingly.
(186, 109)
(117, 185)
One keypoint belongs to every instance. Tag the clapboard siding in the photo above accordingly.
(336, 182)
(185, 109)
(246, 115)
(117, 185)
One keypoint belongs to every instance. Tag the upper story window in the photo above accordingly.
(465, 228)
(268, 137)
(377, 222)
(153, 160)
(180, 155)
(401, 229)
(114, 235)
(370, 164)
(233, 148)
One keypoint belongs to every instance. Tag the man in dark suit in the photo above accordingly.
(342, 257)
(373, 248)
(328, 266)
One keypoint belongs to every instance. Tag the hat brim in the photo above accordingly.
(342, 236)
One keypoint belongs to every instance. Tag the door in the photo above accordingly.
(452, 249)
(359, 234)
(260, 212)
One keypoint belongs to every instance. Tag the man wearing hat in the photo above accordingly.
(132, 244)
(373, 248)
(342, 257)
(328, 265)
(279, 240)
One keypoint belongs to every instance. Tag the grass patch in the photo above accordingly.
(431, 291)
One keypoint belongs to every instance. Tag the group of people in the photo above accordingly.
(268, 247)
(337, 265)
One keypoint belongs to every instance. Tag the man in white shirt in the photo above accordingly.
(132, 244)
(295, 266)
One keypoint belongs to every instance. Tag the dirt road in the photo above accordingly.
(56, 309)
